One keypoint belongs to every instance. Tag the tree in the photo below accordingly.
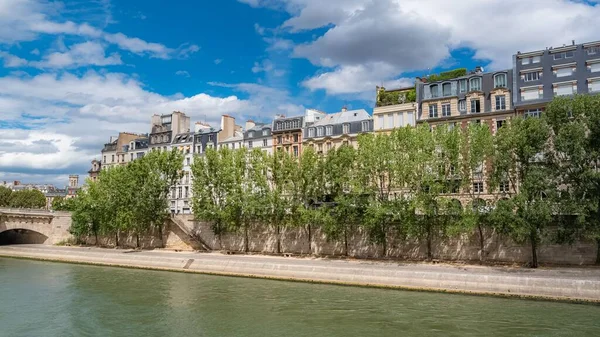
(522, 157)
(88, 213)
(27, 199)
(575, 124)
(280, 168)
(63, 204)
(5, 193)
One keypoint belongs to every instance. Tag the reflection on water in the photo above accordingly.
(53, 299)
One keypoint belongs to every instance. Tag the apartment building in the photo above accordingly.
(539, 76)
(287, 132)
(116, 151)
(394, 108)
(337, 129)
(94, 172)
(475, 97)
(205, 137)
(258, 135)
(165, 127)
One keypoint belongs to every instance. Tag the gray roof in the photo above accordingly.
(343, 117)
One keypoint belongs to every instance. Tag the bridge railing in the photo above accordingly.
(27, 210)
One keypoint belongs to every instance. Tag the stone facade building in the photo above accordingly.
(258, 135)
(392, 113)
(165, 127)
(116, 151)
(337, 129)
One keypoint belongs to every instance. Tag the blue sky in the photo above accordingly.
(73, 73)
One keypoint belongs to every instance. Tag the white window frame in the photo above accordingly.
(471, 101)
(500, 102)
(446, 110)
(364, 126)
(478, 187)
(380, 122)
(536, 89)
(462, 105)
(462, 84)
(320, 131)
(328, 130)
(311, 132)
(475, 80)
(390, 121)
(557, 88)
(594, 85)
(446, 85)
(433, 112)
(531, 76)
(434, 93)
(346, 128)
(535, 113)
(496, 77)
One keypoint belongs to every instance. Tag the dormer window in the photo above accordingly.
(328, 130)
(311, 132)
(265, 132)
(475, 84)
(433, 89)
(320, 131)
(446, 89)
(500, 80)
(251, 134)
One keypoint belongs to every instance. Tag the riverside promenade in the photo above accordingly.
(570, 284)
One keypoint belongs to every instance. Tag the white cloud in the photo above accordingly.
(183, 73)
(12, 61)
(259, 29)
(278, 44)
(267, 66)
(82, 54)
(139, 46)
(412, 35)
(35, 52)
(218, 61)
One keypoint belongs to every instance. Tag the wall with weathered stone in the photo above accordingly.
(465, 248)
(54, 226)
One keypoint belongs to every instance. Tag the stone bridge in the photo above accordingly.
(19, 225)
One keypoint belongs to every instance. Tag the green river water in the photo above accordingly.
(55, 299)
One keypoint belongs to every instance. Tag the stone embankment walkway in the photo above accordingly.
(573, 284)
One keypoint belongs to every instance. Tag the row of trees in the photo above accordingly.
(535, 180)
(130, 199)
(21, 199)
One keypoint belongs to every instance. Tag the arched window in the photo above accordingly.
(500, 80)
(434, 90)
(446, 89)
(475, 84)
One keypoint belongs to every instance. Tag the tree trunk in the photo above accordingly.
(137, 240)
(383, 229)
(481, 244)
(117, 239)
(160, 233)
(246, 244)
(534, 258)
(598, 251)
(96, 237)
(308, 227)
(277, 232)
(345, 241)
(429, 235)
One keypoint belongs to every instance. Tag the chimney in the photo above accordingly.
(250, 124)
(199, 126)
(227, 127)
(573, 42)
(155, 120)
(344, 109)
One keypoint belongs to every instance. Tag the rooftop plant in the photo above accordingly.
(447, 75)
(385, 98)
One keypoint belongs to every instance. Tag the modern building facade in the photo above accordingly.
(258, 135)
(476, 97)
(541, 75)
(394, 108)
(337, 129)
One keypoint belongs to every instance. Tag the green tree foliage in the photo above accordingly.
(63, 204)
(27, 199)
(447, 75)
(5, 193)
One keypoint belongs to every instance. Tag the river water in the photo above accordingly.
(55, 299)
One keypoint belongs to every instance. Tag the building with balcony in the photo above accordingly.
(258, 135)
(475, 97)
(394, 108)
(287, 132)
(205, 137)
(337, 129)
(165, 127)
(539, 76)
(181, 192)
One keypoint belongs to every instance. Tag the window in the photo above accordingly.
(446, 110)
(173, 193)
(264, 142)
(500, 102)
(380, 121)
(296, 123)
(390, 123)
(531, 93)
(265, 132)
(112, 158)
(295, 151)
(594, 85)
(462, 105)
(179, 192)
(566, 55)
(536, 59)
(411, 118)
(563, 89)
(462, 85)
(563, 72)
(446, 89)
(210, 138)
(311, 132)
(187, 191)
(593, 50)
(504, 186)
(500, 81)
(328, 147)
(401, 118)
(364, 126)
(499, 124)
(104, 161)
(525, 60)
(531, 76)
(199, 149)
(320, 147)
(558, 56)
(296, 138)
(478, 187)
(251, 134)
(346, 128)
(433, 89)
(594, 67)
(233, 145)
(537, 113)
(475, 105)
(320, 131)
(433, 113)
(278, 139)
(475, 83)
(249, 144)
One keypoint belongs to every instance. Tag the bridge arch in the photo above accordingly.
(33, 226)
(22, 236)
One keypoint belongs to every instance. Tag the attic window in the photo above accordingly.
(355, 114)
